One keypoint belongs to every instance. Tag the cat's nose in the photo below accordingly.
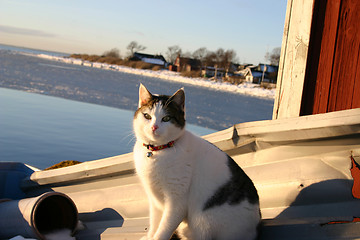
(154, 128)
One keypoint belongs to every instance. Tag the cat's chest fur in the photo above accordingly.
(168, 170)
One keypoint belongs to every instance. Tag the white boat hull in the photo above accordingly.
(300, 166)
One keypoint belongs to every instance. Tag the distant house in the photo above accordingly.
(246, 73)
(214, 72)
(260, 73)
(148, 58)
(185, 64)
(268, 68)
(268, 72)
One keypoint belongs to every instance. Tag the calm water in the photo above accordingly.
(42, 130)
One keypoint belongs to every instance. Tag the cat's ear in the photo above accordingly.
(144, 95)
(179, 98)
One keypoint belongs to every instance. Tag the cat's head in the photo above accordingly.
(159, 119)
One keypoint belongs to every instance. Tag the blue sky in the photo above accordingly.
(251, 28)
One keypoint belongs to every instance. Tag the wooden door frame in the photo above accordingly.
(293, 58)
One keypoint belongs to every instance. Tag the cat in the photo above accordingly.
(193, 187)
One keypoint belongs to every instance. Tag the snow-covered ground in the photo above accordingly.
(244, 88)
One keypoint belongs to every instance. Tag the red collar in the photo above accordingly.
(157, 148)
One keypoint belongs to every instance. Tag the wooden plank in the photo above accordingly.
(321, 56)
(312, 65)
(322, 89)
(356, 94)
(355, 103)
(346, 60)
(293, 59)
(282, 60)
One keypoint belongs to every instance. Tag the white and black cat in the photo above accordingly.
(193, 187)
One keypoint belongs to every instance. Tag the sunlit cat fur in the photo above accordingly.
(192, 187)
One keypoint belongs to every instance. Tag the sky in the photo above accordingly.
(249, 27)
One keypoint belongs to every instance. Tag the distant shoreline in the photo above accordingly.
(249, 89)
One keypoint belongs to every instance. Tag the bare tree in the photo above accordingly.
(200, 54)
(274, 56)
(220, 57)
(228, 58)
(112, 53)
(210, 58)
(134, 47)
(173, 52)
(186, 54)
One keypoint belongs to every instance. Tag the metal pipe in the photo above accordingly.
(34, 217)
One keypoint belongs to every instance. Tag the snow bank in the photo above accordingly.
(244, 88)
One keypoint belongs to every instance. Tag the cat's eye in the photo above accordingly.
(166, 119)
(147, 116)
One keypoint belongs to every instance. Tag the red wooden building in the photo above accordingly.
(320, 59)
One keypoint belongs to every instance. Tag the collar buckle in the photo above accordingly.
(157, 148)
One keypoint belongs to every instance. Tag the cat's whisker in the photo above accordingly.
(130, 137)
(130, 134)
